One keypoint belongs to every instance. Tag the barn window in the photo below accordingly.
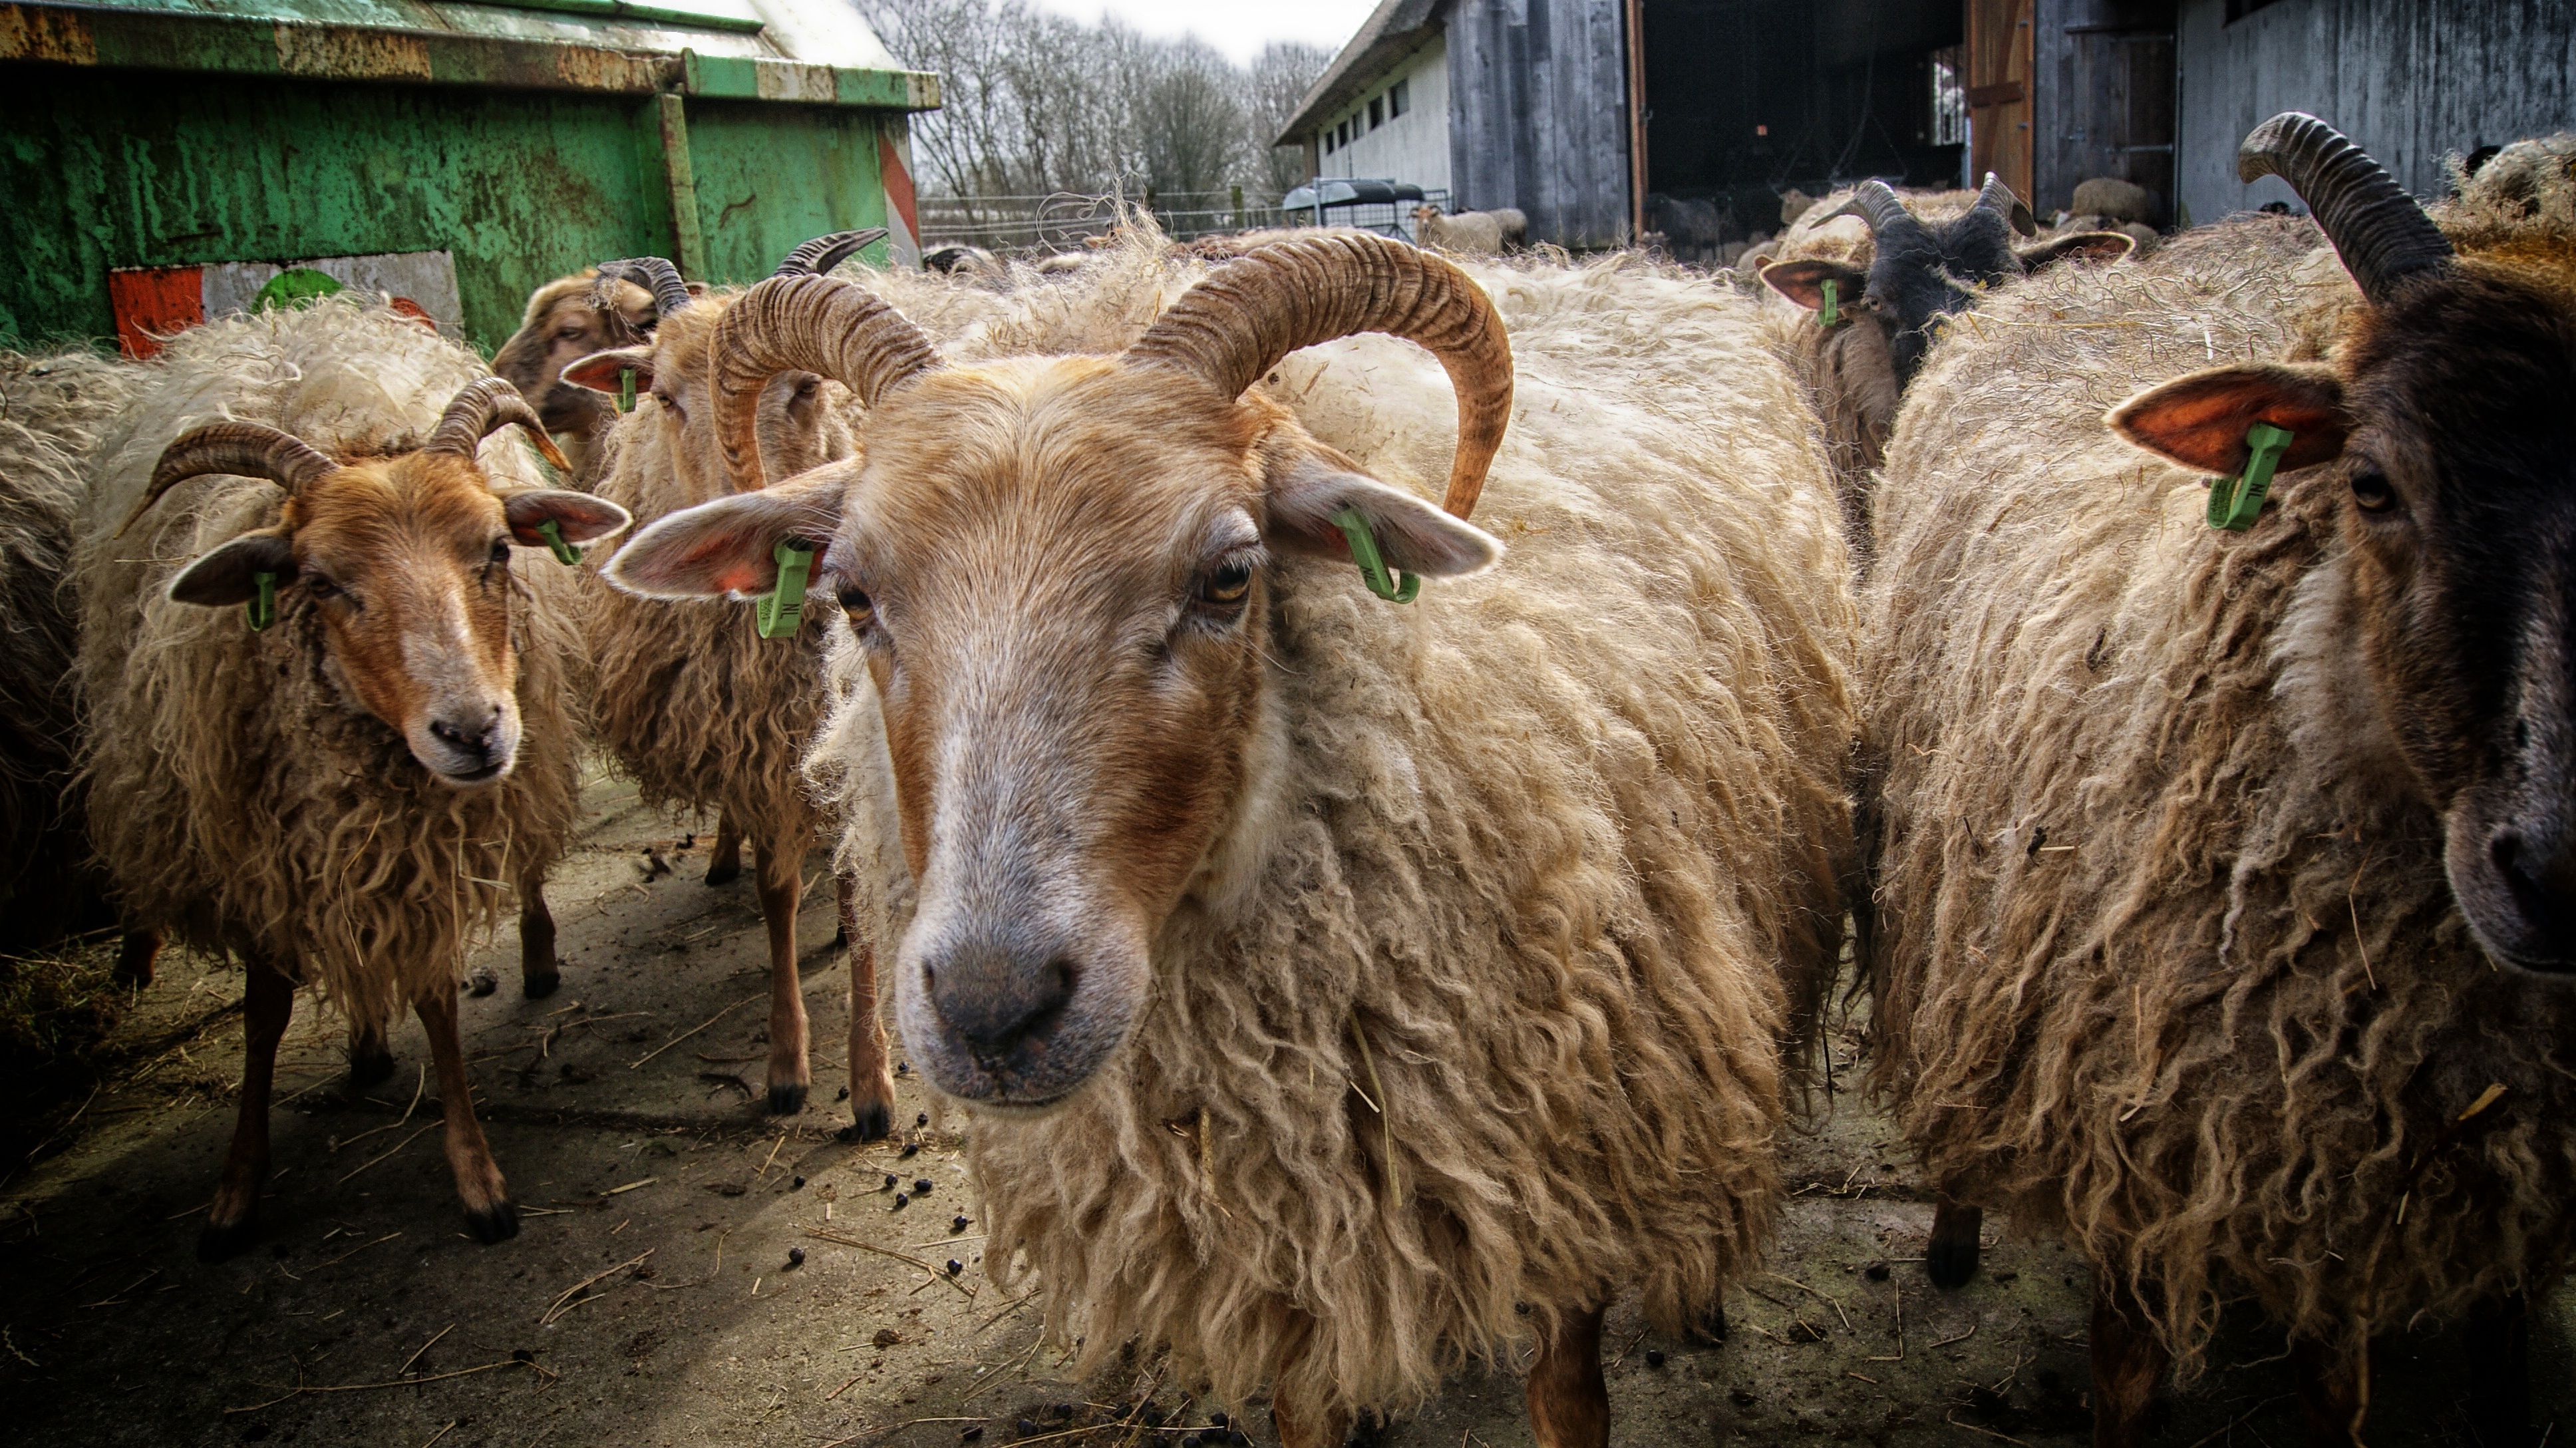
(1377, 112)
(1329, 145)
(1345, 132)
(1397, 99)
(1949, 96)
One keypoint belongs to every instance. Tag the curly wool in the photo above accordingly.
(2161, 966)
(1504, 1012)
(239, 800)
(52, 406)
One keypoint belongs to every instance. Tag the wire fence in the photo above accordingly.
(1066, 221)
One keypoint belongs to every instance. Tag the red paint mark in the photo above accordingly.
(405, 306)
(898, 186)
(152, 302)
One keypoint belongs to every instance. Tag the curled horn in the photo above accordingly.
(819, 256)
(1874, 202)
(1244, 316)
(811, 324)
(2378, 230)
(482, 408)
(652, 273)
(242, 449)
(1995, 196)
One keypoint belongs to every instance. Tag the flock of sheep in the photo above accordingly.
(1365, 939)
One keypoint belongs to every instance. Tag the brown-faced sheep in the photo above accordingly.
(1471, 233)
(1330, 980)
(567, 319)
(2226, 872)
(699, 708)
(51, 406)
(336, 789)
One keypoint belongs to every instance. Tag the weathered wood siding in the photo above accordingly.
(2105, 99)
(2410, 80)
(1538, 117)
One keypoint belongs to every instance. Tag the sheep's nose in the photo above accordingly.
(2541, 869)
(476, 734)
(1001, 1004)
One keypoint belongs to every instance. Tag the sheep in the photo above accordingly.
(2144, 774)
(335, 789)
(51, 407)
(567, 319)
(1328, 981)
(697, 707)
(1874, 325)
(1471, 233)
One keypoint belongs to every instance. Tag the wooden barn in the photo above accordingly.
(1602, 119)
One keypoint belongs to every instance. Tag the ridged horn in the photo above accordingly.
(1876, 203)
(1995, 196)
(812, 324)
(654, 274)
(819, 256)
(1244, 316)
(2378, 230)
(242, 449)
(482, 408)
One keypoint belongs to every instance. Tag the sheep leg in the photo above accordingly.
(538, 975)
(724, 863)
(871, 1082)
(2334, 1390)
(134, 957)
(2128, 1365)
(371, 1060)
(2499, 1341)
(1304, 1427)
(488, 1209)
(1569, 1405)
(268, 1002)
(780, 864)
(1950, 1258)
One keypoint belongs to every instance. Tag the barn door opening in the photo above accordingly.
(2120, 111)
(2000, 42)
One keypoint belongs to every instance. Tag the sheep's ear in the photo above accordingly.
(1308, 493)
(578, 517)
(229, 575)
(729, 546)
(599, 370)
(2200, 420)
(1803, 282)
(2101, 246)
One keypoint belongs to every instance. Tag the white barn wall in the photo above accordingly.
(1414, 146)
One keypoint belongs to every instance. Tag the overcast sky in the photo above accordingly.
(1238, 28)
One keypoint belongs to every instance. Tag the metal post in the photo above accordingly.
(1237, 194)
(686, 237)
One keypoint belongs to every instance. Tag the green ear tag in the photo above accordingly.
(625, 389)
(2234, 502)
(1832, 314)
(565, 553)
(777, 613)
(1393, 587)
(263, 609)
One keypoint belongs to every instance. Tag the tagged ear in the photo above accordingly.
(1803, 282)
(2101, 246)
(2200, 420)
(227, 576)
(579, 517)
(1307, 490)
(599, 370)
(729, 546)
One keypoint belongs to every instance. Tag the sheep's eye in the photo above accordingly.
(317, 586)
(2370, 491)
(500, 551)
(861, 609)
(571, 331)
(1226, 585)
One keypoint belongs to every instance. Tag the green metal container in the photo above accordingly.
(165, 160)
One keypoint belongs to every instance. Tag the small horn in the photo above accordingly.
(653, 274)
(1880, 206)
(1244, 316)
(482, 408)
(242, 449)
(2378, 230)
(819, 256)
(812, 324)
(1997, 197)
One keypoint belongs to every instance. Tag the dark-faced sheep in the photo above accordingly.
(2230, 872)
(1340, 988)
(336, 789)
(698, 707)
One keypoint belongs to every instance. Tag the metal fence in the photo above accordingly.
(1065, 221)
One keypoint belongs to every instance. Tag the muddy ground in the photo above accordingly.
(652, 1298)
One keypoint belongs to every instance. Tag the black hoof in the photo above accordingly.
(497, 1225)
(875, 1123)
(841, 937)
(1711, 1326)
(538, 987)
(723, 874)
(1950, 1264)
(1368, 1430)
(786, 1098)
(220, 1243)
(369, 1068)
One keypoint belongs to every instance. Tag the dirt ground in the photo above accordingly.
(654, 1294)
